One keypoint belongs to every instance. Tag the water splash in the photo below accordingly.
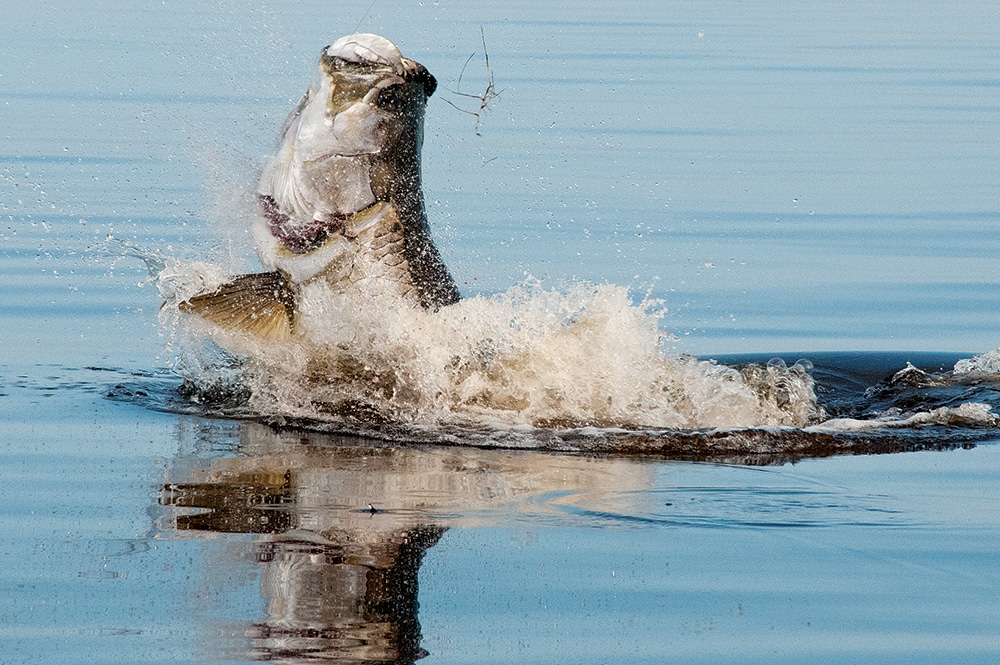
(581, 356)
(580, 368)
(985, 364)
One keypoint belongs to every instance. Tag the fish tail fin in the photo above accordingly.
(261, 304)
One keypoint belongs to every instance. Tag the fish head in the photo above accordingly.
(366, 98)
(349, 150)
(353, 139)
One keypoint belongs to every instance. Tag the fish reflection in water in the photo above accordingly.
(344, 600)
(342, 528)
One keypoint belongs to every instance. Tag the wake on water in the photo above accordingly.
(580, 368)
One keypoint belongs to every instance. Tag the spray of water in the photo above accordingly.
(983, 365)
(580, 356)
(533, 357)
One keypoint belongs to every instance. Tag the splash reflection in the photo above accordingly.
(342, 527)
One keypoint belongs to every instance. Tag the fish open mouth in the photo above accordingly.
(301, 238)
(305, 238)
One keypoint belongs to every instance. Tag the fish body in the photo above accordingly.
(341, 200)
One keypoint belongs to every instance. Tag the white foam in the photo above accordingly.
(984, 364)
(581, 356)
(969, 414)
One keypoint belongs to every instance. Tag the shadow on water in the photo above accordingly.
(341, 527)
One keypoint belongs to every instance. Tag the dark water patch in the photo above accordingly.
(771, 446)
(162, 392)
(864, 384)
(754, 446)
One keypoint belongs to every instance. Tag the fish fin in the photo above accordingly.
(261, 304)
(367, 218)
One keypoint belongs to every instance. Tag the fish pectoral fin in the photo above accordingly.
(365, 219)
(261, 304)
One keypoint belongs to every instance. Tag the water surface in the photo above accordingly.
(786, 179)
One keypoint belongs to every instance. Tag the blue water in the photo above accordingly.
(786, 179)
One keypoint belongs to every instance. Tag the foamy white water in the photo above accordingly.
(580, 356)
(984, 364)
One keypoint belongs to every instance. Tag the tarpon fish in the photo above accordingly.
(341, 200)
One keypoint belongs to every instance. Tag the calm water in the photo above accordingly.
(806, 179)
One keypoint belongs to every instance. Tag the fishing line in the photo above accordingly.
(365, 15)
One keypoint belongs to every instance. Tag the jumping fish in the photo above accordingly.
(341, 199)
